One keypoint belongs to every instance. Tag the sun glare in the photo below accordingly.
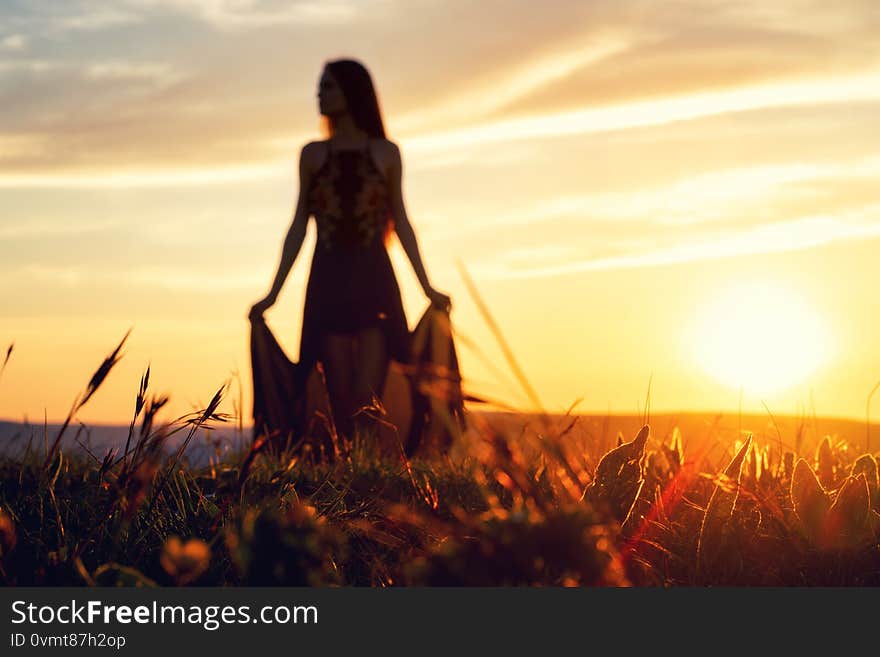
(760, 337)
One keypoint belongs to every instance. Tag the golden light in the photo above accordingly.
(759, 336)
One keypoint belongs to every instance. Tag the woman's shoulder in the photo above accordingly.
(385, 144)
(386, 152)
(313, 154)
(311, 148)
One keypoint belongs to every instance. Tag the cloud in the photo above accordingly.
(98, 18)
(528, 256)
(656, 69)
(53, 229)
(158, 74)
(59, 22)
(166, 276)
(13, 42)
(708, 197)
(662, 111)
(206, 136)
(249, 14)
(195, 280)
(485, 94)
(146, 178)
(31, 66)
(69, 277)
(17, 146)
(209, 101)
(663, 51)
(790, 235)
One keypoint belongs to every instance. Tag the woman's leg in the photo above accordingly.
(371, 367)
(338, 359)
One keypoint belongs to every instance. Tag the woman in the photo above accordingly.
(353, 320)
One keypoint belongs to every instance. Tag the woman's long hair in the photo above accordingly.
(363, 106)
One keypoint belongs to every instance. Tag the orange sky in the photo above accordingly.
(677, 192)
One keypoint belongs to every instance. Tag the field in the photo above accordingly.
(520, 500)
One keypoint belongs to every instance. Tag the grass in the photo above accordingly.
(509, 509)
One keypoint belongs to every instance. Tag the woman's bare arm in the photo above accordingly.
(297, 232)
(401, 220)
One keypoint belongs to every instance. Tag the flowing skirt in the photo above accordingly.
(422, 397)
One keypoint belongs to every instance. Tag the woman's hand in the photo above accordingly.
(260, 307)
(438, 299)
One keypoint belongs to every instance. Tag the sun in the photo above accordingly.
(760, 337)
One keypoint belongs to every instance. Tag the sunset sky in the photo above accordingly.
(682, 192)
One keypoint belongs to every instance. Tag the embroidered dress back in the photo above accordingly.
(349, 199)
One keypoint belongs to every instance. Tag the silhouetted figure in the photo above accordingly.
(353, 319)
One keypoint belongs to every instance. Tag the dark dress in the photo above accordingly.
(352, 286)
(351, 283)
